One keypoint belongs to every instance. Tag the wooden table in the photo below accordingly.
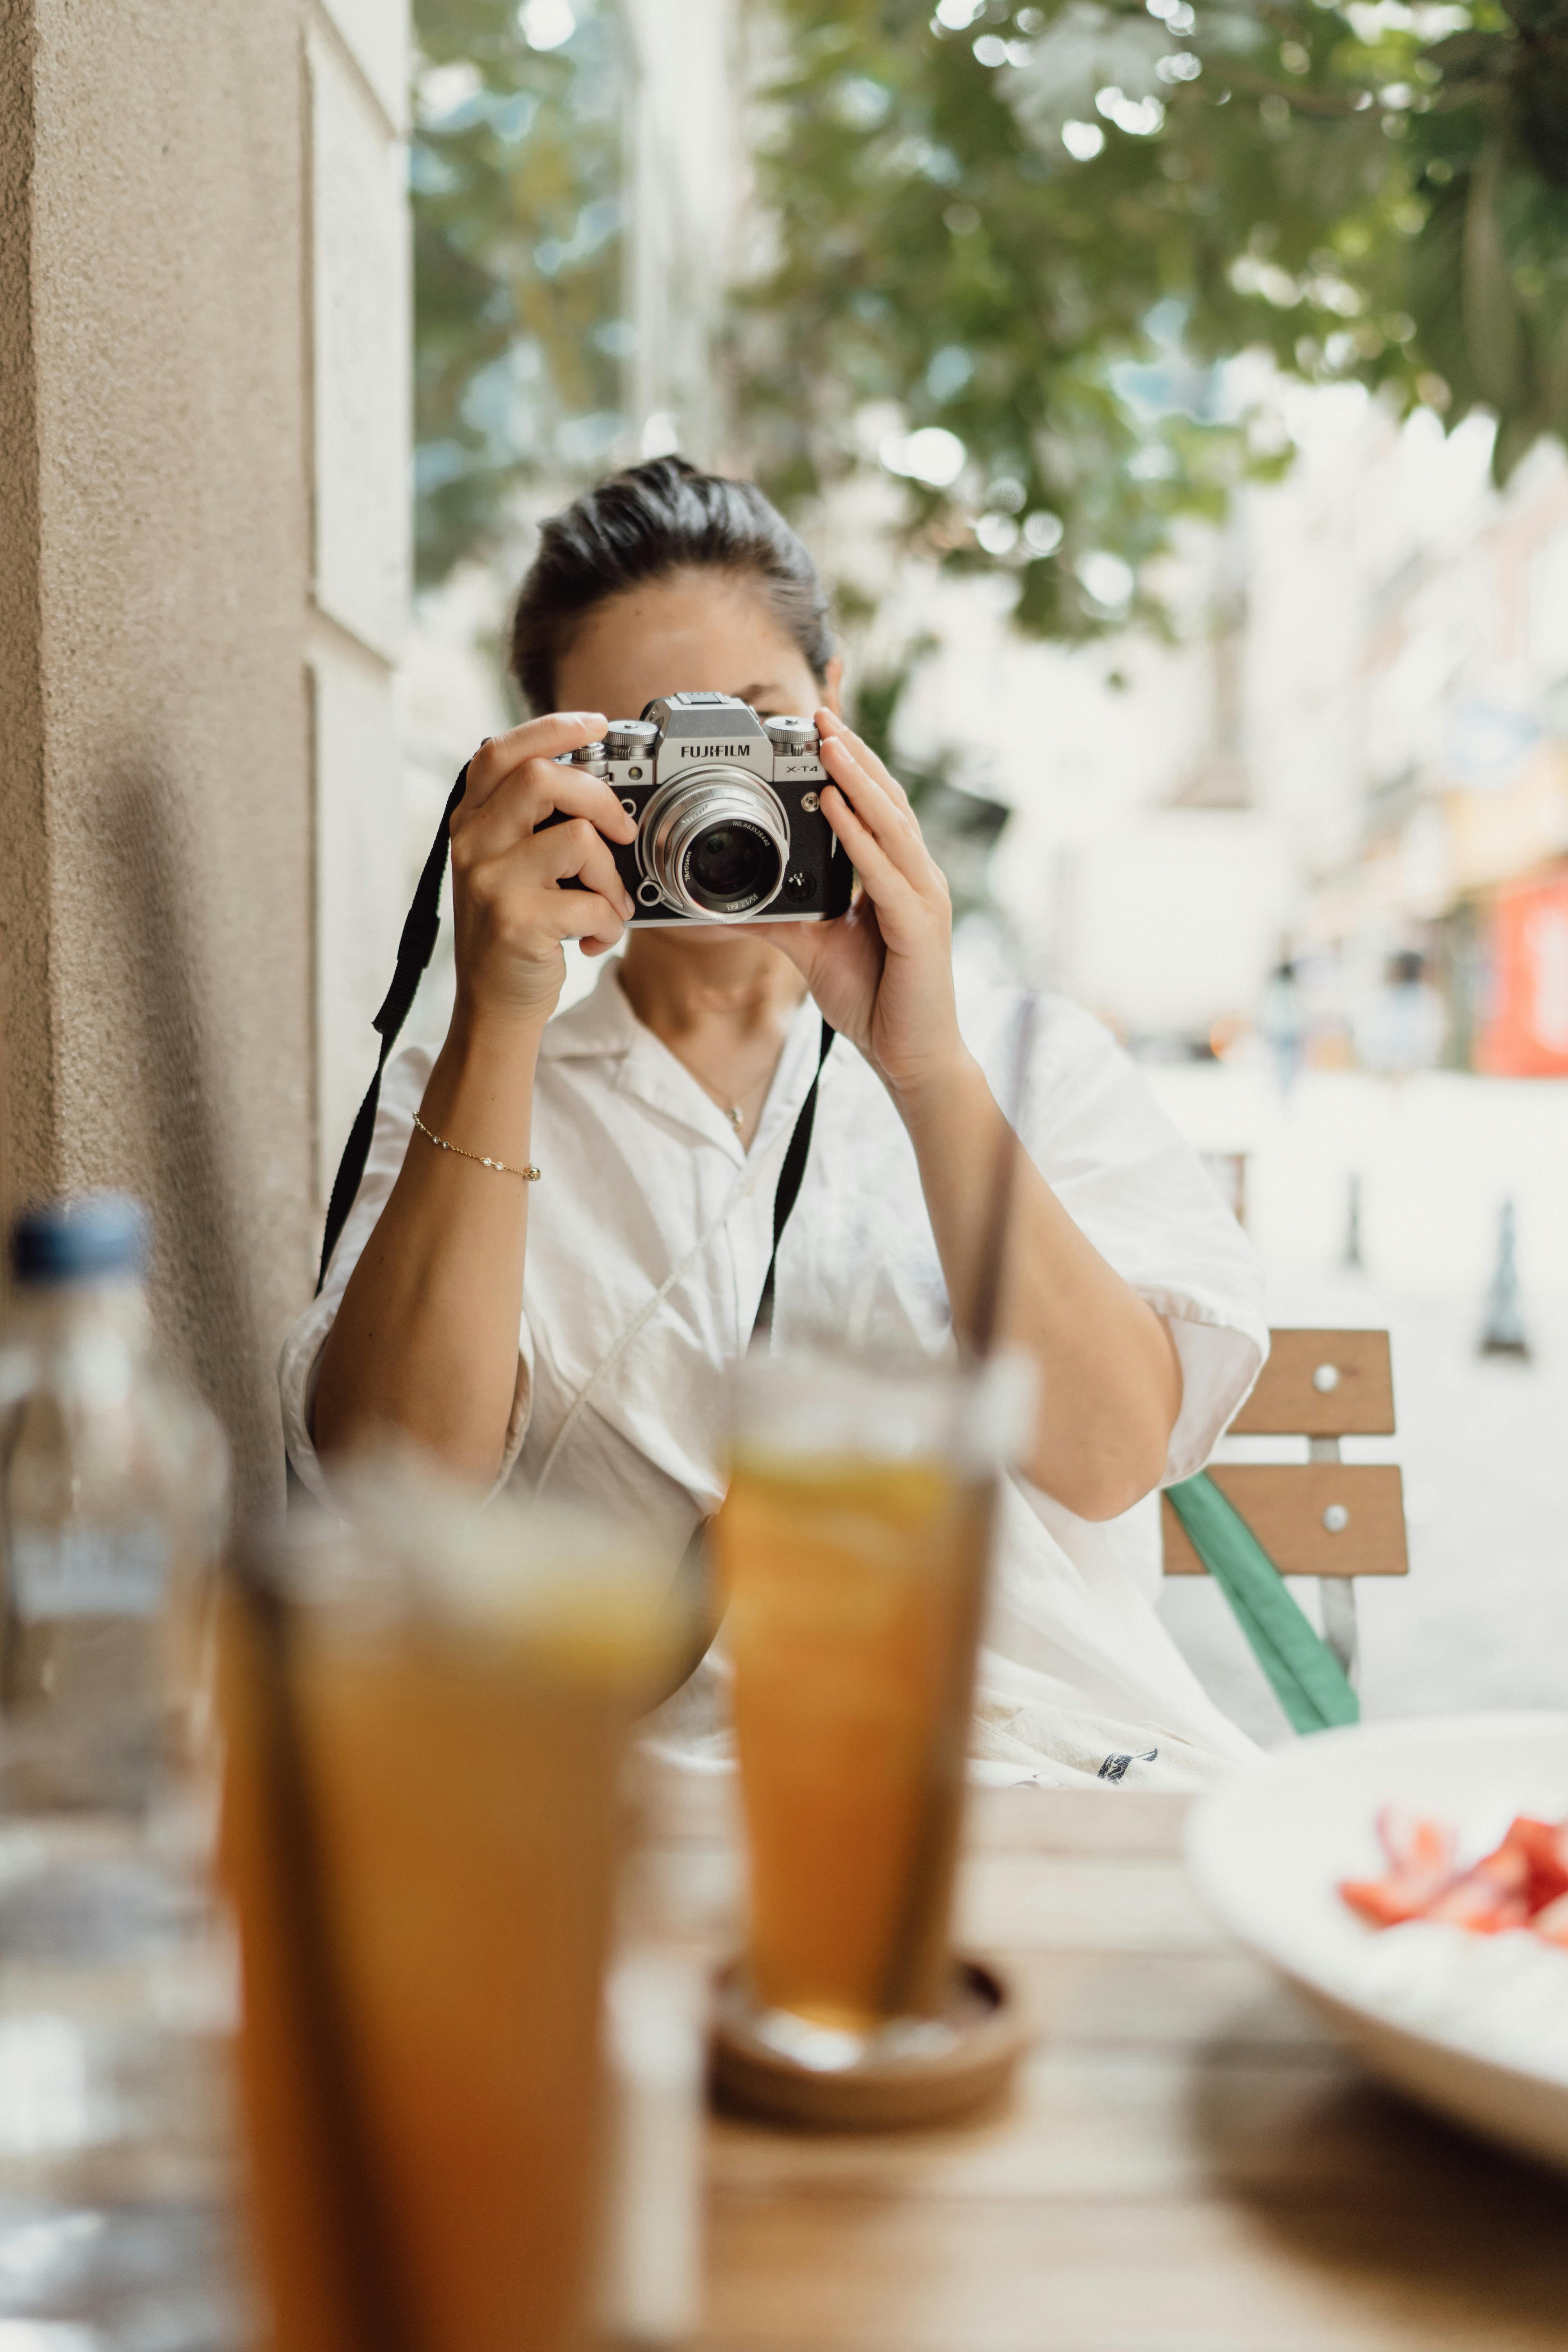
(1187, 2164)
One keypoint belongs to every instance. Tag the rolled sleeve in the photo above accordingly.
(1222, 1349)
(299, 1366)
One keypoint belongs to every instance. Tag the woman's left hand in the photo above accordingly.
(882, 973)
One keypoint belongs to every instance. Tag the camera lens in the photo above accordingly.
(715, 841)
(732, 862)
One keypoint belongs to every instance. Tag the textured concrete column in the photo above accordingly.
(27, 1058)
(155, 820)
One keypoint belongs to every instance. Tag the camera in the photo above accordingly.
(730, 827)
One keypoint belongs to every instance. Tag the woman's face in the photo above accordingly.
(695, 632)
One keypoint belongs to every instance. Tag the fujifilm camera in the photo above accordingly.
(729, 824)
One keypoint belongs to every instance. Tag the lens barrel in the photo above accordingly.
(715, 842)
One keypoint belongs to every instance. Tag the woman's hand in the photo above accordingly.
(510, 913)
(882, 974)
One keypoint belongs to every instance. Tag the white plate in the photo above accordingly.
(1268, 1850)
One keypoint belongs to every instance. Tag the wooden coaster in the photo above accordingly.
(987, 2033)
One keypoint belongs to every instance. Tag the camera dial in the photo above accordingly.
(631, 738)
(793, 739)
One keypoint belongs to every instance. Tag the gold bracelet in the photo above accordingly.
(530, 1175)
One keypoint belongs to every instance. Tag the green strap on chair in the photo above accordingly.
(1308, 1679)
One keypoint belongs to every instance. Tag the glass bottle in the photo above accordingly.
(112, 1498)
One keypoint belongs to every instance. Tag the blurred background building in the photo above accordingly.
(1345, 757)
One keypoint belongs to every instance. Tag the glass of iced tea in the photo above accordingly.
(852, 1552)
(424, 1719)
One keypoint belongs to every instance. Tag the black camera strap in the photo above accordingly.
(791, 1176)
(421, 929)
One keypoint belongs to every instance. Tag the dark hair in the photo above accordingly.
(641, 525)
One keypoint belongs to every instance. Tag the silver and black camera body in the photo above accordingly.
(730, 827)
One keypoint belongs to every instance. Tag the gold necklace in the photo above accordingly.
(732, 1111)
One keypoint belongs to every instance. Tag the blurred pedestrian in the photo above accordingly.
(1401, 1027)
(1283, 1024)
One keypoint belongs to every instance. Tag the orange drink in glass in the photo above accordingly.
(853, 1548)
(421, 1828)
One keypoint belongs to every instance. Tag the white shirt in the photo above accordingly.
(648, 1242)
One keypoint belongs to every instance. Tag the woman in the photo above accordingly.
(578, 1335)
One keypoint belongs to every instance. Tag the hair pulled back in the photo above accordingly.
(640, 526)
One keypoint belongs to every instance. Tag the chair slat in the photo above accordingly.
(1284, 1504)
(1296, 1397)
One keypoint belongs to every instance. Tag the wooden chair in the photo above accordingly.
(1324, 1517)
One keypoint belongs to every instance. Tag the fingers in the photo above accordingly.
(517, 890)
(522, 800)
(591, 920)
(889, 821)
(576, 852)
(514, 905)
(537, 739)
(876, 871)
(831, 727)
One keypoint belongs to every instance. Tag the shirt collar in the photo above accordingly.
(602, 1025)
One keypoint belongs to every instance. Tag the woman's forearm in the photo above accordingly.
(426, 1341)
(1110, 1381)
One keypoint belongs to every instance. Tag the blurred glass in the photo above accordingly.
(852, 1549)
(427, 1720)
(116, 1999)
(115, 1987)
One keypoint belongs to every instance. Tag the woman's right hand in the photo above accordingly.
(510, 913)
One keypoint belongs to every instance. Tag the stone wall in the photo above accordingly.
(167, 675)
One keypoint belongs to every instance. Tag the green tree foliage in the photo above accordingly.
(1014, 243)
(516, 169)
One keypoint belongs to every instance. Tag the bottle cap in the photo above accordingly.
(97, 1236)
